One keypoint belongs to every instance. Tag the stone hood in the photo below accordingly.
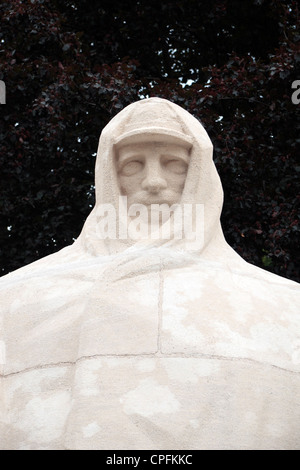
(202, 186)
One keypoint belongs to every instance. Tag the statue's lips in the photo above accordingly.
(150, 204)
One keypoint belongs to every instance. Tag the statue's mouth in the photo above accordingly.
(149, 204)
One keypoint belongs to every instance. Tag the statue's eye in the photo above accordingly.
(177, 166)
(131, 168)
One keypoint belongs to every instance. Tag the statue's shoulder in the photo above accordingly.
(36, 273)
(274, 281)
(29, 270)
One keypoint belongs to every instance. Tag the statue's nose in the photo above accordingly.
(154, 181)
(154, 185)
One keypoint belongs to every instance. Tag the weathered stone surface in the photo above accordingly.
(150, 344)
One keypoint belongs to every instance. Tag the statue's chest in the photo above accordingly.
(207, 313)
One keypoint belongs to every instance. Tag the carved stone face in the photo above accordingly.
(152, 172)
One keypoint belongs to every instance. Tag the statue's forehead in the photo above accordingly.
(152, 134)
(146, 148)
(150, 144)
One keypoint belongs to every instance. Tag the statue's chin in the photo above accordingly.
(147, 221)
(154, 218)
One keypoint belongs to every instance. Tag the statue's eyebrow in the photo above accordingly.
(185, 158)
(128, 156)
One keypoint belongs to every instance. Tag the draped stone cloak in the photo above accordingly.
(165, 344)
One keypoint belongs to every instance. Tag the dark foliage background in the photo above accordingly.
(70, 66)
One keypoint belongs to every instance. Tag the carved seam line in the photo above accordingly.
(155, 355)
(160, 302)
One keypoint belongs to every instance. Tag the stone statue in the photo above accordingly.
(150, 332)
